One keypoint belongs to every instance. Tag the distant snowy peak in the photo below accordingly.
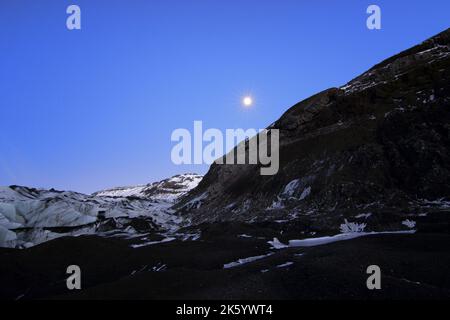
(122, 192)
(168, 189)
(172, 188)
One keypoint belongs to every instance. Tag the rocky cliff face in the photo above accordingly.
(376, 150)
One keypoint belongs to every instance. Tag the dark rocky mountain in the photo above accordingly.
(376, 150)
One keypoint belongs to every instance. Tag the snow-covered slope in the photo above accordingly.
(168, 189)
(30, 216)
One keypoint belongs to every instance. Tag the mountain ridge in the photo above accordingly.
(172, 187)
(379, 143)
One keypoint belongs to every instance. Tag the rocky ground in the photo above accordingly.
(413, 266)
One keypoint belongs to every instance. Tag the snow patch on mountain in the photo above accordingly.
(168, 189)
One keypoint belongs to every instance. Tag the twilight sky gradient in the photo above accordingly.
(95, 108)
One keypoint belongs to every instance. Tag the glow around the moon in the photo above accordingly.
(247, 101)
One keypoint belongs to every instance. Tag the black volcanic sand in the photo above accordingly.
(414, 266)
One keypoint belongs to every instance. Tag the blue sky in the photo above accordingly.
(94, 108)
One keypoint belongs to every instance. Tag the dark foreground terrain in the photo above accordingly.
(414, 266)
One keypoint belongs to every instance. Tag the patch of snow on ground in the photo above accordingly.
(276, 244)
(290, 188)
(159, 267)
(286, 264)
(305, 193)
(276, 204)
(409, 223)
(363, 215)
(145, 244)
(352, 227)
(312, 242)
(440, 203)
(245, 260)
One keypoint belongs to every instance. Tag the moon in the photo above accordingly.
(247, 101)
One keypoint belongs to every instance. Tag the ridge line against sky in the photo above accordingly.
(92, 109)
